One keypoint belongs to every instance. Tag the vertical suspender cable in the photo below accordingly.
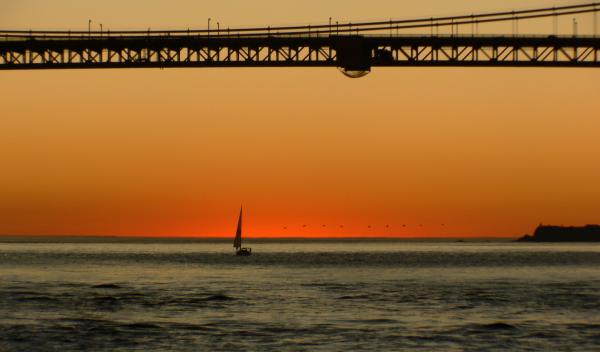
(595, 21)
(431, 26)
(555, 24)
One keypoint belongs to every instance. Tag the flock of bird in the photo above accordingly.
(387, 227)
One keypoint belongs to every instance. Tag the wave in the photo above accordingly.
(142, 326)
(297, 259)
(219, 297)
(498, 326)
(107, 286)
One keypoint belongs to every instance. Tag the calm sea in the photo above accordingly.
(157, 295)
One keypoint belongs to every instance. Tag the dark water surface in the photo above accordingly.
(298, 295)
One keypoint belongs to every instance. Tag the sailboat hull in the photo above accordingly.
(244, 252)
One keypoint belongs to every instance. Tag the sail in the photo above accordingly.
(237, 242)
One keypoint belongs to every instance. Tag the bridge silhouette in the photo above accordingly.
(354, 48)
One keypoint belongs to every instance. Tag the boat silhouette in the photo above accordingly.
(237, 241)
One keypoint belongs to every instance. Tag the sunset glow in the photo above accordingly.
(403, 152)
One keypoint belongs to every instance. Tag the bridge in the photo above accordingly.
(354, 48)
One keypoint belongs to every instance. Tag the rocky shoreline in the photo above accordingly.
(546, 233)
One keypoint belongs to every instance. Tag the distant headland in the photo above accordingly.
(546, 233)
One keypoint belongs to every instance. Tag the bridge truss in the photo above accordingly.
(354, 48)
(349, 52)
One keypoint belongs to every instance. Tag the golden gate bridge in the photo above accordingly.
(352, 47)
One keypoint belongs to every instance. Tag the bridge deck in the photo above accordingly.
(350, 52)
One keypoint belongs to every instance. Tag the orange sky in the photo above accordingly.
(485, 152)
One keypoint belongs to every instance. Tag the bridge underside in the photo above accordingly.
(352, 53)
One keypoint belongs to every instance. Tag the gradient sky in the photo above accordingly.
(485, 152)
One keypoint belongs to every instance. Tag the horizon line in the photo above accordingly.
(217, 237)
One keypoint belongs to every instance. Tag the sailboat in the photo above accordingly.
(237, 241)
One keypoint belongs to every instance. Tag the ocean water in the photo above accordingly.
(195, 295)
